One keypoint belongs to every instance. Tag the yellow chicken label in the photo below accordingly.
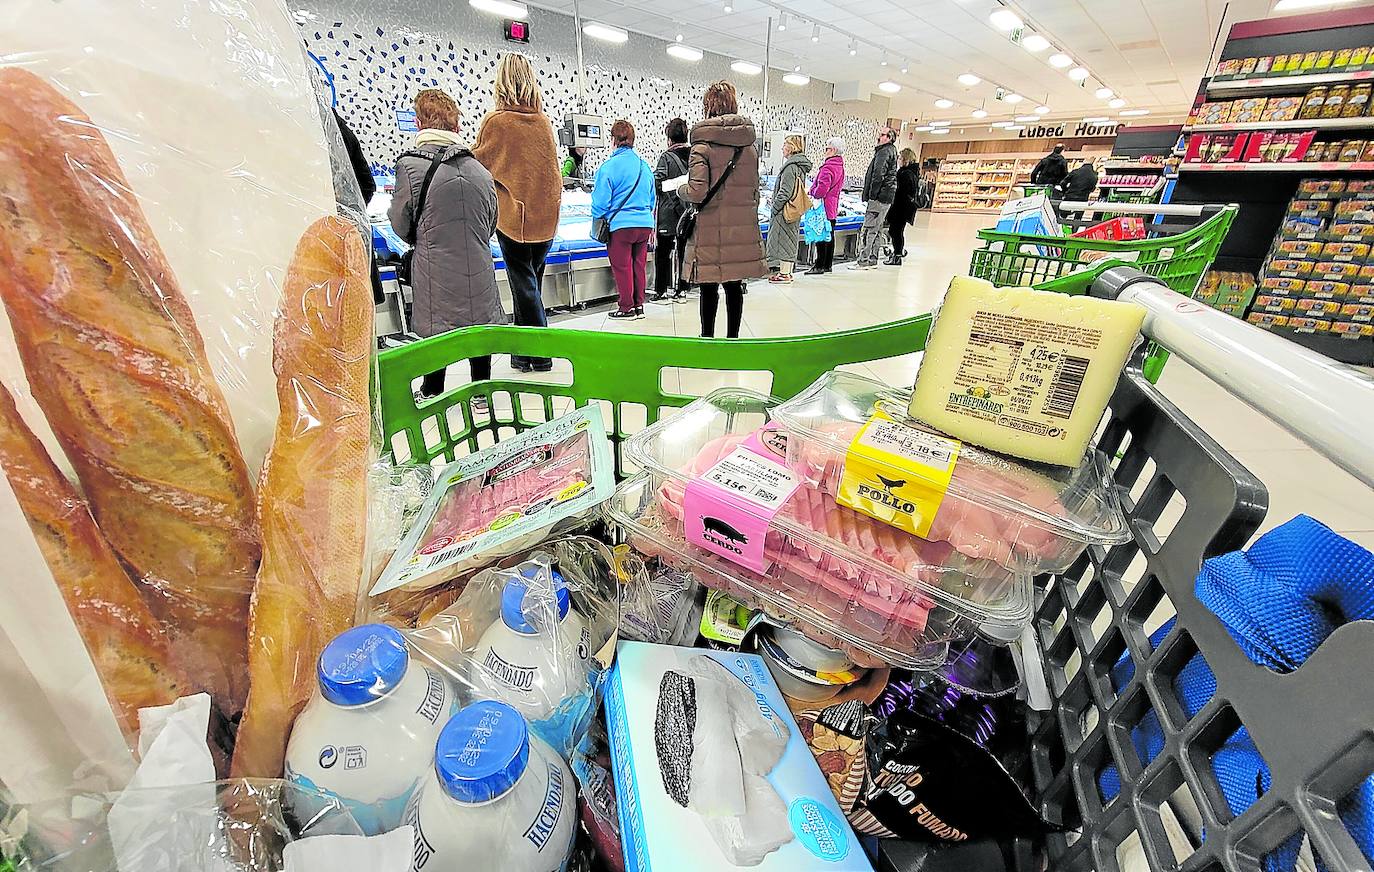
(897, 474)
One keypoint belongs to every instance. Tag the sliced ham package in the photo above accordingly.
(718, 500)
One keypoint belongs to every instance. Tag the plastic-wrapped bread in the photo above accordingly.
(119, 369)
(124, 640)
(312, 506)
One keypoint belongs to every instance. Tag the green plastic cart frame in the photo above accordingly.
(1178, 261)
(620, 370)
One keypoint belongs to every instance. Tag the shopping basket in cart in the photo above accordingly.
(1186, 498)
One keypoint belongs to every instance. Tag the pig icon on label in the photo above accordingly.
(720, 528)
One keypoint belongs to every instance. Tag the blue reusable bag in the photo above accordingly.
(815, 226)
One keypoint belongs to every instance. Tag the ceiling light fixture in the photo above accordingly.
(1005, 19)
(729, 9)
(679, 38)
(797, 79)
(1002, 124)
(939, 130)
(939, 124)
(1116, 103)
(889, 87)
(1133, 112)
(883, 62)
(1042, 110)
(1096, 119)
(1034, 42)
(944, 103)
(506, 8)
(797, 68)
(1059, 60)
(980, 113)
(685, 52)
(924, 128)
(906, 66)
(604, 32)
(745, 68)
(1027, 119)
(1015, 127)
(1078, 74)
(815, 33)
(853, 47)
(782, 21)
(1012, 98)
(1104, 93)
(968, 79)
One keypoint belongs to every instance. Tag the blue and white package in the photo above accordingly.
(711, 771)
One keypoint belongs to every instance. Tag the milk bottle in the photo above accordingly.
(530, 658)
(498, 799)
(368, 736)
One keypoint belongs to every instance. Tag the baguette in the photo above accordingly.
(312, 496)
(125, 642)
(119, 369)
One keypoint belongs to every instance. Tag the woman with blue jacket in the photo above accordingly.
(623, 194)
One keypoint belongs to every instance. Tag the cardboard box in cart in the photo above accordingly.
(711, 771)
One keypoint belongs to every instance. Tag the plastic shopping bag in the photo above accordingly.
(815, 226)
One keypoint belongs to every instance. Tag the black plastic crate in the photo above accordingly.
(1314, 727)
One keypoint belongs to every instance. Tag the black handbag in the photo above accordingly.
(403, 269)
(601, 227)
(687, 224)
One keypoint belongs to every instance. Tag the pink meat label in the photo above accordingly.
(728, 509)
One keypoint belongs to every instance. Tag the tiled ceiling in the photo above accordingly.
(1151, 52)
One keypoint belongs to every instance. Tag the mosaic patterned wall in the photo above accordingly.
(377, 58)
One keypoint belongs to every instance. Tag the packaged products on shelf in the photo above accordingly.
(503, 499)
(1285, 286)
(1363, 312)
(1311, 209)
(1287, 267)
(1325, 290)
(366, 738)
(1355, 209)
(1334, 103)
(712, 770)
(1347, 252)
(1357, 104)
(497, 798)
(1299, 249)
(1057, 362)
(1361, 294)
(1308, 325)
(1281, 108)
(1266, 320)
(1247, 67)
(1351, 150)
(1265, 303)
(1360, 55)
(1334, 271)
(1313, 103)
(1301, 228)
(1249, 109)
(1352, 330)
(1321, 188)
(1317, 308)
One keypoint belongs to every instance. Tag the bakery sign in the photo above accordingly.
(1061, 129)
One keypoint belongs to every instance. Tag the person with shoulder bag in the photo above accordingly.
(623, 217)
(444, 206)
(904, 204)
(826, 188)
(725, 246)
(789, 205)
(672, 164)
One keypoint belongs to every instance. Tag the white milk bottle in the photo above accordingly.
(529, 658)
(497, 800)
(368, 736)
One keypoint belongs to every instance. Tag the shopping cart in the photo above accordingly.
(1187, 499)
(1173, 252)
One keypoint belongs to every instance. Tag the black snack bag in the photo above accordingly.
(944, 764)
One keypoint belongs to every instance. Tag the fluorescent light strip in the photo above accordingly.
(940, 130)
(939, 124)
(1028, 118)
(505, 8)
(685, 52)
(1134, 112)
(604, 32)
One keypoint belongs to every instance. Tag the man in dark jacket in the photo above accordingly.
(668, 210)
(1079, 185)
(880, 188)
(1051, 169)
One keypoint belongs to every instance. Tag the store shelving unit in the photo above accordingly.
(1266, 85)
(1362, 122)
(982, 183)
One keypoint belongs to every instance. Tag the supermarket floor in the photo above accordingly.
(938, 248)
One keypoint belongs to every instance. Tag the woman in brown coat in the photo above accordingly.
(726, 247)
(515, 144)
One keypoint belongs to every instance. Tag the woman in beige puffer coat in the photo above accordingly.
(727, 247)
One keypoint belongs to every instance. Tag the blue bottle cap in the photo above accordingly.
(513, 601)
(482, 751)
(362, 665)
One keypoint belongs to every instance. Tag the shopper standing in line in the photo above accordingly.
(726, 247)
(904, 204)
(668, 253)
(1051, 169)
(623, 195)
(448, 218)
(1077, 187)
(826, 188)
(516, 144)
(880, 186)
(783, 235)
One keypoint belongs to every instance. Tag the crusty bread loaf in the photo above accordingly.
(125, 642)
(118, 367)
(312, 497)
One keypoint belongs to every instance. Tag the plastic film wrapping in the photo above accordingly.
(187, 357)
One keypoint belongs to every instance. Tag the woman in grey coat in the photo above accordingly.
(783, 236)
(452, 276)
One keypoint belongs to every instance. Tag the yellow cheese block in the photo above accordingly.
(1024, 372)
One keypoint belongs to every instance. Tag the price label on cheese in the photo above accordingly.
(897, 473)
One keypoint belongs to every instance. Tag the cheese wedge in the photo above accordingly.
(1020, 371)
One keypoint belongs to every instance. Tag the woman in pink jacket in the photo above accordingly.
(829, 182)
